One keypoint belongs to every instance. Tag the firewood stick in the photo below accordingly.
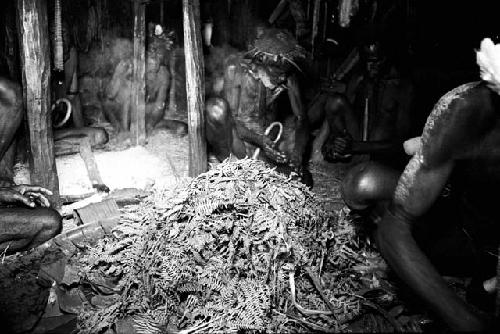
(91, 164)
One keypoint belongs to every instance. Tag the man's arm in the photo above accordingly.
(232, 86)
(232, 92)
(301, 126)
(417, 190)
(161, 97)
(447, 133)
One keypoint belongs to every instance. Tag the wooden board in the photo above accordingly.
(91, 165)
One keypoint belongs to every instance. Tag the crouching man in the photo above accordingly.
(439, 216)
(26, 220)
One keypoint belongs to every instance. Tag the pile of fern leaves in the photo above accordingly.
(241, 247)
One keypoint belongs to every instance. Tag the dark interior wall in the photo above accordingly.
(437, 40)
(445, 35)
(9, 49)
(449, 31)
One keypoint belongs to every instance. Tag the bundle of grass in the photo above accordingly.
(240, 248)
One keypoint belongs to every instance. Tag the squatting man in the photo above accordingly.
(438, 217)
(26, 219)
(242, 106)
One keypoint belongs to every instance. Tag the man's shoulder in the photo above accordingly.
(459, 119)
(455, 102)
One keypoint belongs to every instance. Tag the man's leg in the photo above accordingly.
(338, 118)
(7, 162)
(221, 135)
(24, 228)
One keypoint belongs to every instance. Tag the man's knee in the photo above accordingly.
(335, 101)
(101, 136)
(368, 183)
(217, 110)
(11, 100)
(50, 222)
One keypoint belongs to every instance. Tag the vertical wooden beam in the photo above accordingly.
(35, 60)
(195, 83)
(315, 23)
(138, 96)
(172, 101)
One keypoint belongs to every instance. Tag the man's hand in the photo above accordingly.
(340, 148)
(25, 194)
(273, 153)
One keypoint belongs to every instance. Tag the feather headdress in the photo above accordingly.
(488, 59)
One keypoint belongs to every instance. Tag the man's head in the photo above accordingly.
(373, 58)
(271, 76)
(273, 55)
(152, 63)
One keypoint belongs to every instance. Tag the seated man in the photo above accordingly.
(424, 229)
(372, 117)
(23, 224)
(237, 119)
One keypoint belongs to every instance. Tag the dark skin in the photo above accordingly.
(389, 120)
(462, 135)
(237, 121)
(26, 220)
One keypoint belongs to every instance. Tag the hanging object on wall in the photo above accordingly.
(58, 52)
(347, 10)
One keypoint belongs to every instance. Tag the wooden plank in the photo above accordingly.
(195, 83)
(35, 60)
(95, 212)
(91, 165)
(138, 110)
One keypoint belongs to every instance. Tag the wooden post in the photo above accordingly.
(172, 102)
(35, 60)
(195, 82)
(315, 23)
(138, 96)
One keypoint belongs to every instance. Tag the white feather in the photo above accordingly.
(488, 59)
